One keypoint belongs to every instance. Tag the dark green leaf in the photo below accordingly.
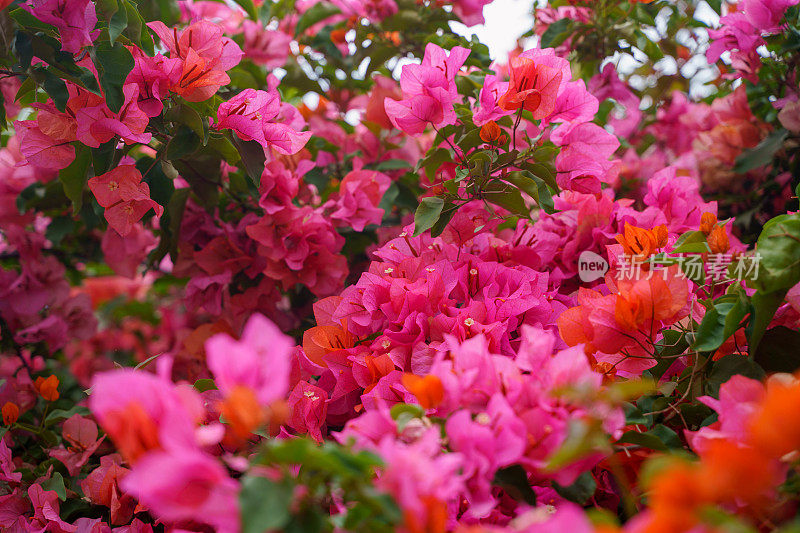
(265, 504)
(507, 197)
(117, 24)
(764, 307)
(580, 491)
(205, 384)
(183, 143)
(253, 158)
(779, 350)
(779, 250)
(556, 33)
(56, 483)
(719, 323)
(427, 214)
(763, 154)
(113, 63)
(514, 480)
(729, 366)
(74, 177)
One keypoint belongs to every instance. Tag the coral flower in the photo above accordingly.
(47, 387)
(428, 390)
(775, 428)
(641, 243)
(10, 413)
(533, 87)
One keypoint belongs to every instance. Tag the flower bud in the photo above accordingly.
(10, 413)
(707, 222)
(718, 240)
(492, 133)
(47, 387)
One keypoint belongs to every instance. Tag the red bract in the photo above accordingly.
(205, 56)
(125, 197)
(533, 87)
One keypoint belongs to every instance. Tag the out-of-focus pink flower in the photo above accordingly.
(142, 412)
(125, 254)
(739, 398)
(259, 360)
(185, 485)
(269, 48)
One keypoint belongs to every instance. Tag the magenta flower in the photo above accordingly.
(429, 91)
(185, 485)
(252, 115)
(259, 360)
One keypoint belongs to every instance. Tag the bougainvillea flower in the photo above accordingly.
(490, 93)
(185, 485)
(251, 114)
(142, 413)
(74, 19)
(206, 55)
(125, 197)
(429, 91)
(533, 87)
(259, 360)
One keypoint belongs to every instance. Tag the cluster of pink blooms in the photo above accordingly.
(742, 31)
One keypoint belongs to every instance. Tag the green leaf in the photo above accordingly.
(56, 483)
(729, 366)
(392, 164)
(556, 33)
(26, 20)
(318, 12)
(265, 504)
(117, 24)
(136, 29)
(444, 219)
(660, 438)
(514, 480)
(57, 415)
(693, 242)
(249, 8)
(580, 491)
(103, 156)
(205, 384)
(534, 187)
(183, 143)
(763, 154)
(779, 249)
(74, 177)
(427, 214)
(764, 307)
(507, 197)
(113, 63)
(719, 323)
(253, 158)
(778, 352)
(56, 89)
